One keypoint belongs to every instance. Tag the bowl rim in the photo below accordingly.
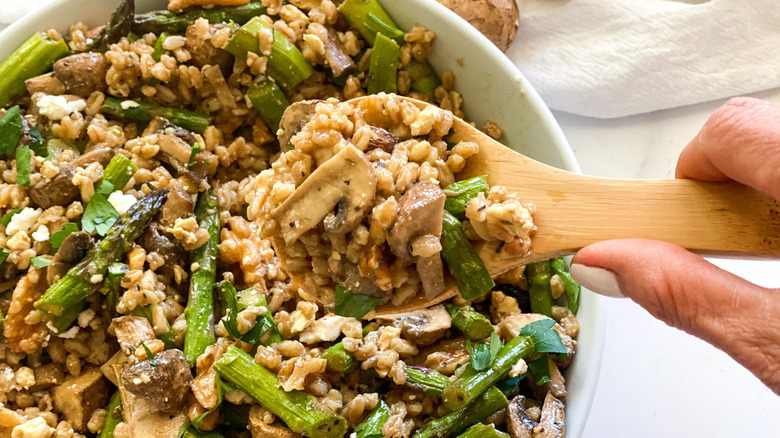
(30, 22)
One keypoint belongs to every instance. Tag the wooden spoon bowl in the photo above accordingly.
(573, 211)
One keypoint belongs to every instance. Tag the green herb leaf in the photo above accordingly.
(508, 385)
(6, 219)
(149, 355)
(58, 237)
(39, 262)
(10, 130)
(105, 188)
(546, 339)
(37, 142)
(540, 369)
(23, 164)
(495, 346)
(354, 305)
(3, 255)
(484, 354)
(233, 302)
(195, 150)
(99, 215)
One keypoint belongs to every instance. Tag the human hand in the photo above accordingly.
(740, 142)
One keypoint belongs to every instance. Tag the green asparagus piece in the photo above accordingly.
(267, 98)
(61, 301)
(471, 275)
(118, 26)
(471, 383)
(339, 359)
(473, 324)
(148, 312)
(483, 431)
(383, 66)
(424, 78)
(300, 411)
(177, 22)
(538, 275)
(199, 313)
(286, 64)
(159, 50)
(34, 57)
(373, 424)
(427, 380)
(370, 19)
(460, 193)
(110, 289)
(145, 112)
(118, 172)
(558, 267)
(453, 423)
(113, 416)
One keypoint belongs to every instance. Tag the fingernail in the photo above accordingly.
(598, 280)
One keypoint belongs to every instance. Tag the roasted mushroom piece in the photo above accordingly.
(71, 251)
(426, 326)
(163, 383)
(552, 422)
(60, 190)
(339, 194)
(498, 20)
(82, 73)
(518, 423)
(294, 119)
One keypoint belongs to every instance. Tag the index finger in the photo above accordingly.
(740, 141)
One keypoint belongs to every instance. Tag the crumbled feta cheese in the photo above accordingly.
(86, 317)
(328, 328)
(25, 377)
(58, 107)
(23, 221)
(121, 202)
(70, 334)
(41, 234)
(35, 428)
(127, 104)
(518, 368)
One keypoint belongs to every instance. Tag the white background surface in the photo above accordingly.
(655, 380)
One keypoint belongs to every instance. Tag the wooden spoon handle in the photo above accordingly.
(710, 218)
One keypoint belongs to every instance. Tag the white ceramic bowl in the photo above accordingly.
(492, 89)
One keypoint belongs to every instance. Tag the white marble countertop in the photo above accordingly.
(657, 381)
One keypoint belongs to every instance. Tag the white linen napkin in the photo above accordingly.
(611, 58)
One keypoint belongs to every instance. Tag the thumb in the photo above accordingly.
(687, 292)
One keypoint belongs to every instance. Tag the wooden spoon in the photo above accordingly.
(573, 210)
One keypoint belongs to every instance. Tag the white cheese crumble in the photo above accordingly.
(70, 334)
(23, 221)
(86, 317)
(127, 104)
(121, 202)
(35, 428)
(58, 107)
(42, 234)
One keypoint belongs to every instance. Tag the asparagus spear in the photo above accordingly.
(300, 411)
(558, 267)
(460, 193)
(373, 424)
(429, 381)
(61, 301)
(269, 101)
(145, 112)
(110, 288)
(177, 22)
(451, 424)
(424, 78)
(118, 172)
(471, 383)
(471, 275)
(383, 66)
(113, 416)
(368, 17)
(118, 26)
(538, 275)
(199, 313)
(34, 57)
(286, 64)
(473, 324)
(339, 359)
(483, 431)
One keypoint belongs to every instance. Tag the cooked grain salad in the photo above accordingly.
(200, 237)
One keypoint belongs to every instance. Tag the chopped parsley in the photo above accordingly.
(99, 215)
(58, 237)
(6, 219)
(40, 262)
(546, 339)
(149, 355)
(193, 154)
(23, 164)
(10, 130)
(354, 305)
(484, 354)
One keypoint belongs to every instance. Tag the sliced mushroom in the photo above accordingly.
(171, 250)
(82, 73)
(47, 83)
(426, 326)
(293, 120)
(179, 204)
(496, 19)
(336, 56)
(130, 331)
(60, 190)
(164, 384)
(350, 278)
(203, 51)
(176, 151)
(518, 423)
(72, 250)
(551, 423)
(382, 139)
(340, 192)
(420, 212)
